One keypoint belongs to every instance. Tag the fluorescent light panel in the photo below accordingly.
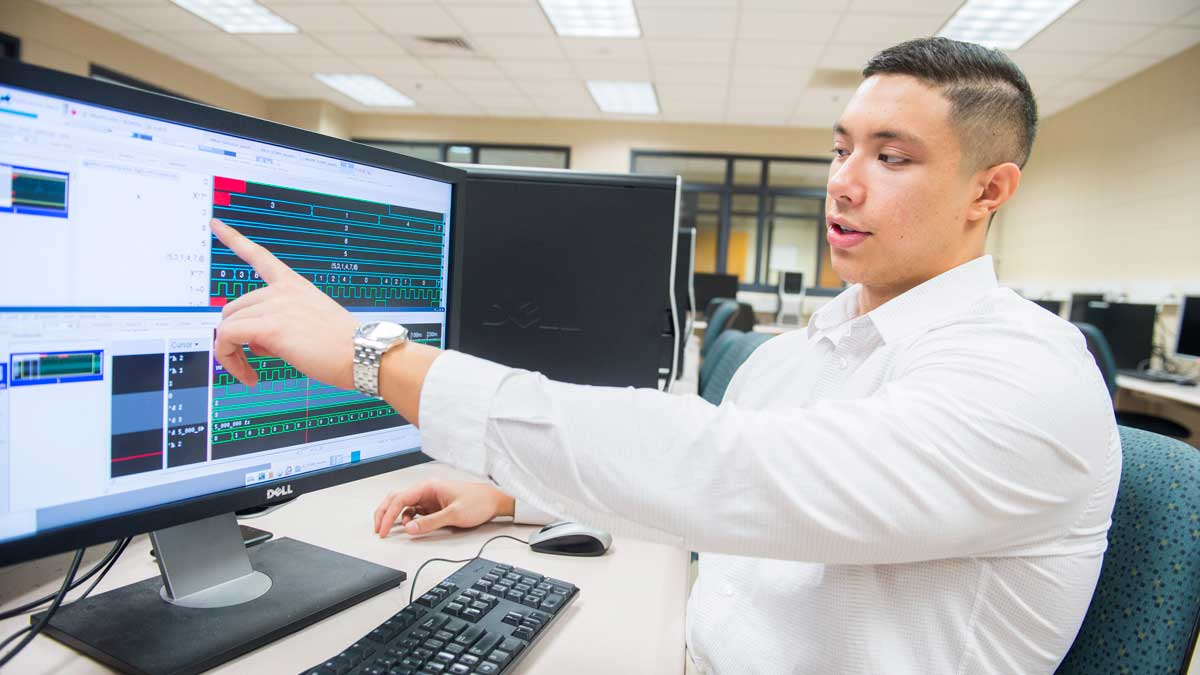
(238, 16)
(1003, 24)
(636, 98)
(366, 89)
(592, 18)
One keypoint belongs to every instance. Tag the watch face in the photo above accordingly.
(383, 331)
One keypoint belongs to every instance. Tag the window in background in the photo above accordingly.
(98, 72)
(754, 216)
(10, 46)
(535, 156)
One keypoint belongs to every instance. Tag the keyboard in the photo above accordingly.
(1158, 376)
(480, 620)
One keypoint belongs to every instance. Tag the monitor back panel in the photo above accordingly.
(568, 277)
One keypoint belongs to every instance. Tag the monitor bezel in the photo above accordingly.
(124, 99)
(1175, 353)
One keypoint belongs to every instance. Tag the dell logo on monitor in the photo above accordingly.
(279, 491)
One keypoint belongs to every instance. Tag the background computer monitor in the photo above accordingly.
(570, 274)
(116, 419)
(1187, 338)
(791, 283)
(709, 286)
(1052, 306)
(1129, 329)
(1079, 304)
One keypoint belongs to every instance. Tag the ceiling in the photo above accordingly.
(713, 61)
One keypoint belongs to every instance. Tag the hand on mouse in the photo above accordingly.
(441, 503)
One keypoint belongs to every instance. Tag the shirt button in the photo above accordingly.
(726, 589)
(842, 362)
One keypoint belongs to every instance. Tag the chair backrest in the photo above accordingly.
(718, 321)
(713, 388)
(1144, 613)
(712, 305)
(723, 344)
(744, 318)
(1097, 344)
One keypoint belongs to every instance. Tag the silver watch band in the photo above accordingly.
(366, 369)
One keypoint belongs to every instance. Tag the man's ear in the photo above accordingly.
(995, 186)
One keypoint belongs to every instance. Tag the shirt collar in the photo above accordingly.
(917, 308)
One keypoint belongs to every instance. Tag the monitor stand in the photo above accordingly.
(215, 599)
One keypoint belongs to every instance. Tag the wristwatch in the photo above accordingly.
(371, 342)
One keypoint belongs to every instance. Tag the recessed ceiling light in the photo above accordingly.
(635, 98)
(1003, 24)
(366, 89)
(238, 16)
(592, 18)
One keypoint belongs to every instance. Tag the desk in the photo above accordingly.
(1163, 399)
(631, 602)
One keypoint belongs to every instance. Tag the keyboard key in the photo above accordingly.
(459, 669)
(433, 645)
(470, 635)
(455, 648)
(487, 668)
(553, 602)
(444, 635)
(500, 657)
(453, 608)
(372, 670)
(512, 646)
(485, 645)
(422, 653)
(444, 657)
(489, 598)
(481, 606)
(468, 659)
(523, 632)
(531, 601)
(433, 623)
(472, 614)
(455, 626)
(513, 618)
(338, 665)
(428, 599)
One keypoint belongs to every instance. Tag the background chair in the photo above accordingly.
(723, 344)
(712, 388)
(1146, 609)
(720, 316)
(1097, 344)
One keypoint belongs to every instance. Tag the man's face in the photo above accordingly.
(897, 178)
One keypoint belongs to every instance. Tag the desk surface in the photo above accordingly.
(631, 600)
(1168, 390)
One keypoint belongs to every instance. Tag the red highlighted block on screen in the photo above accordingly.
(217, 301)
(229, 184)
(220, 199)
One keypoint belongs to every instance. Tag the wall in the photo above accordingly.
(1107, 201)
(58, 40)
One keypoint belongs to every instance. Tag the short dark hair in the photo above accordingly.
(992, 105)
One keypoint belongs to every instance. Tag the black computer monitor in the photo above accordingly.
(1187, 338)
(118, 420)
(791, 283)
(709, 286)
(1129, 329)
(1079, 304)
(1052, 306)
(685, 294)
(570, 274)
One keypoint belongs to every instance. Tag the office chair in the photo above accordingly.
(719, 319)
(1146, 609)
(723, 344)
(744, 319)
(1097, 344)
(741, 347)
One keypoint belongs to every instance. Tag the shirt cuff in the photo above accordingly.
(456, 399)
(526, 514)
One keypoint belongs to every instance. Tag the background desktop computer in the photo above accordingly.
(710, 286)
(116, 418)
(1128, 327)
(685, 291)
(1187, 334)
(1079, 304)
(572, 274)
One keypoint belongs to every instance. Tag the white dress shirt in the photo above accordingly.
(925, 488)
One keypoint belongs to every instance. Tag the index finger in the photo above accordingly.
(271, 269)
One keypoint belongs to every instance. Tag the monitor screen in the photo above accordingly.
(1079, 304)
(1129, 329)
(791, 283)
(113, 285)
(1052, 306)
(1187, 340)
(709, 286)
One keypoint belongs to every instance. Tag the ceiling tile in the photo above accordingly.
(1143, 11)
(942, 7)
(692, 93)
(1122, 66)
(360, 44)
(798, 5)
(299, 86)
(382, 66)
(411, 19)
(422, 88)
(876, 28)
(1166, 41)
(791, 80)
(155, 41)
(537, 70)
(687, 23)
(166, 17)
(322, 64)
(296, 44)
(574, 92)
(690, 52)
(756, 52)
(601, 49)
(1049, 106)
(512, 99)
(787, 25)
(684, 74)
(312, 18)
(103, 18)
(213, 41)
(694, 112)
(1054, 63)
(707, 4)
(762, 94)
(494, 88)
(258, 65)
(603, 70)
(525, 19)
(478, 69)
(529, 47)
(850, 57)
(1080, 88)
(1086, 36)
(63, 4)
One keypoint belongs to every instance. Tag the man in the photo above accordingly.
(919, 482)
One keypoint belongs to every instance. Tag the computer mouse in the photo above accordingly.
(567, 538)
